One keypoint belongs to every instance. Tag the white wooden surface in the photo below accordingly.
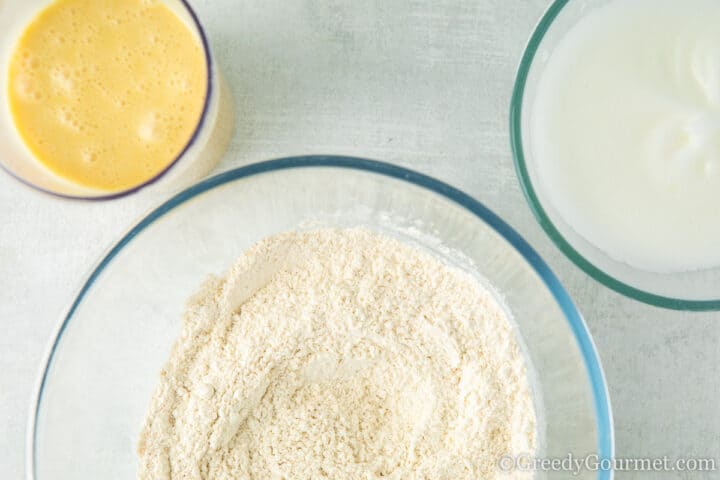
(422, 84)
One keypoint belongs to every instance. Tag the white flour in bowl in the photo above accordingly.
(339, 354)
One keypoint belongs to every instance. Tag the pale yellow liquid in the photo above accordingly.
(106, 93)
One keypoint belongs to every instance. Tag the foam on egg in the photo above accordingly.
(106, 94)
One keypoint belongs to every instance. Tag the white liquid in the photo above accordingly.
(626, 132)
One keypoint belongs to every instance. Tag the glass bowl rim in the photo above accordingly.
(209, 92)
(585, 343)
(521, 170)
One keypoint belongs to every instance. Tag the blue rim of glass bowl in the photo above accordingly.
(191, 141)
(541, 215)
(577, 324)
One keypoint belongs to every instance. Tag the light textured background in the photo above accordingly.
(419, 83)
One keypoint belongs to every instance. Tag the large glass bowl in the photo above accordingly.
(110, 347)
(695, 290)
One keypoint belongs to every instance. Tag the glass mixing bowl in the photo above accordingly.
(105, 360)
(696, 290)
(200, 154)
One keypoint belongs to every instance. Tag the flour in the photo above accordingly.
(339, 354)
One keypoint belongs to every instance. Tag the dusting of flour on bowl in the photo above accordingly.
(340, 354)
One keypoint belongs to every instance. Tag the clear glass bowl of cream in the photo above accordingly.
(102, 99)
(615, 120)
